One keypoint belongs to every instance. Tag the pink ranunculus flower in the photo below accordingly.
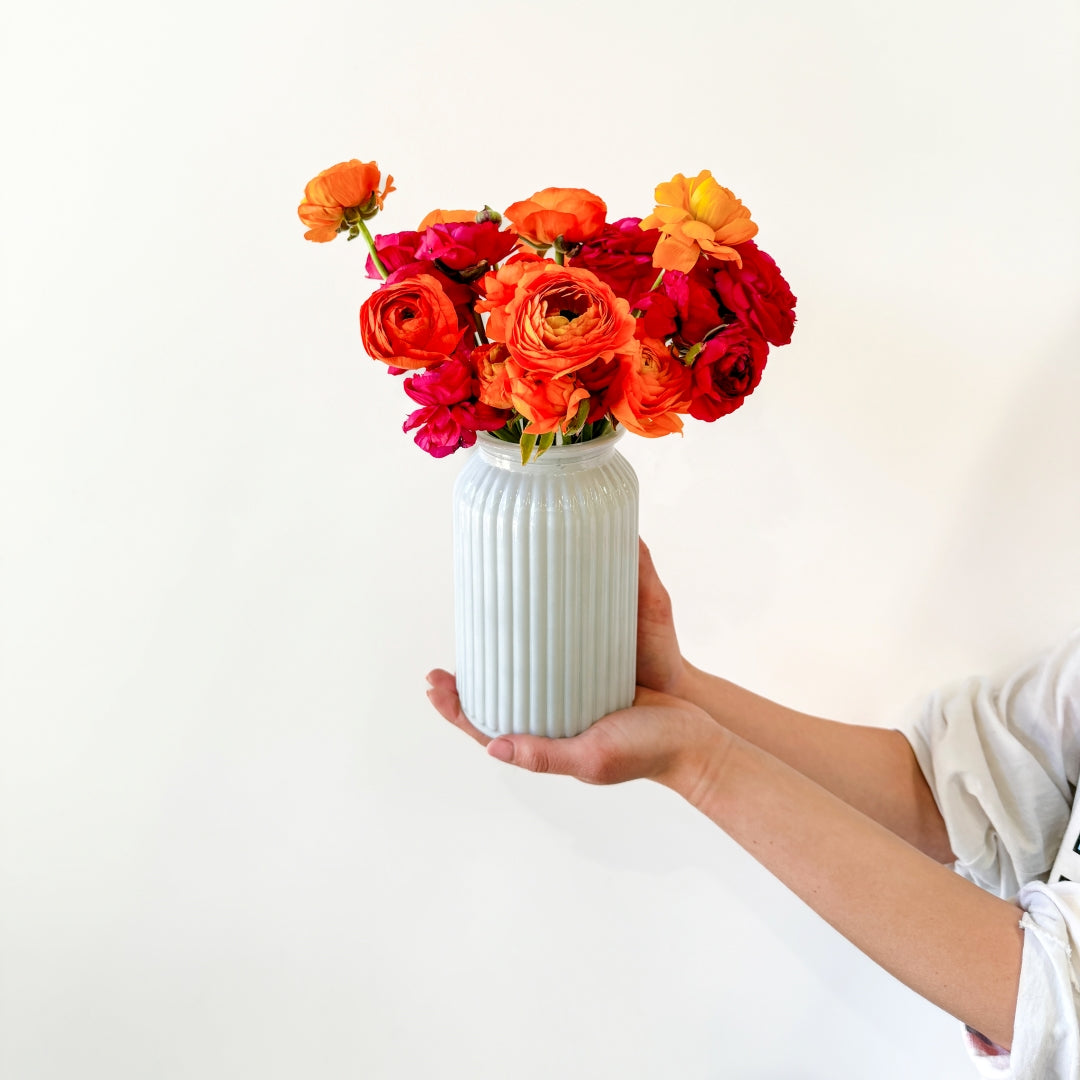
(447, 383)
(395, 250)
(757, 294)
(450, 415)
(466, 246)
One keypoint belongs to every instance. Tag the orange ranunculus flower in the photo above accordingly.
(341, 195)
(490, 364)
(654, 387)
(697, 217)
(549, 404)
(562, 318)
(410, 324)
(498, 289)
(445, 217)
(572, 213)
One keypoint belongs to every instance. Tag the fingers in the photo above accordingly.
(444, 696)
(566, 757)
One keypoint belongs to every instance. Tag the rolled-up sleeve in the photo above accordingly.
(1046, 1032)
(1001, 756)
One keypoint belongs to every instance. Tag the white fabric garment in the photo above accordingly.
(1002, 757)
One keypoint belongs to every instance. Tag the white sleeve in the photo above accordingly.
(1046, 1033)
(1001, 758)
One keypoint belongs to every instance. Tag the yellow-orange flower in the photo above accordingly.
(446, 217)
(654, 387)
(340, 196)
(572, 213)
(697, 217)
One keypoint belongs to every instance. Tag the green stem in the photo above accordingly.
(374, 254)
(478, 322)
(558, 255)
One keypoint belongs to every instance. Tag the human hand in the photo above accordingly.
(658, 738)
(660, 665)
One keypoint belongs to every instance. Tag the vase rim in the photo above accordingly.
(508, 454)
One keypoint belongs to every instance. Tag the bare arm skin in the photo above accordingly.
(871, 769)
(840, 813)
(948, 940)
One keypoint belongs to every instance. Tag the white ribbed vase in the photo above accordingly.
(545, 586)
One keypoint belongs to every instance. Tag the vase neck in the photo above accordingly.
(507, 455)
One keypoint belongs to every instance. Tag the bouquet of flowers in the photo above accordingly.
(550, 323)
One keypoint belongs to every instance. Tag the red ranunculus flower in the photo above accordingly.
(410, 323)
(601, 379)
(757, 294)
(726, 372)
(450, 415)
(659, 318)
(621, 256)
(466, 246)
(697, 303)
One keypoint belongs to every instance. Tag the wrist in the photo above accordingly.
(695, 767)
(689, 683)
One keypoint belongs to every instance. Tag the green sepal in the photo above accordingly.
(579, 419)
(692, 353)
(528, 444)
(545, 442)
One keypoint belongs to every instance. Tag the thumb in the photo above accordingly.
(646, 566)
(649, 584)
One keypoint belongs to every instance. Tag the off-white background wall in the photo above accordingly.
(234, 839)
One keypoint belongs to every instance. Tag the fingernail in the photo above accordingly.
(429, 680)
(503, 749)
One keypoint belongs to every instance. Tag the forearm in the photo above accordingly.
(871, 769)
(948, 940)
